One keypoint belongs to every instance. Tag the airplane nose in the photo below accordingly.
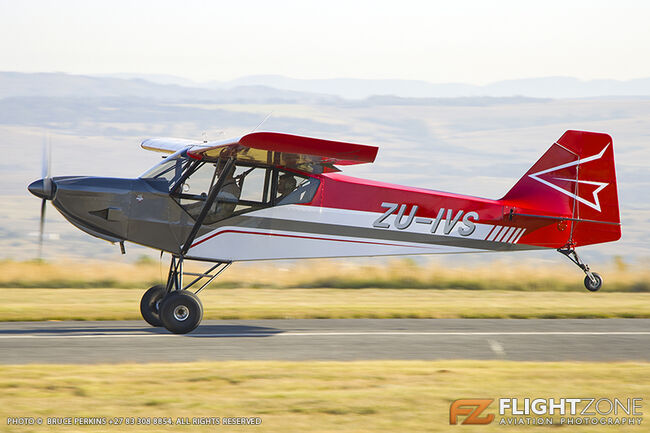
(42, 188)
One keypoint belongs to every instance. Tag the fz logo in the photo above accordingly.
(450, 220)
(472, 408)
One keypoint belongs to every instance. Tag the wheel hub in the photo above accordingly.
(181, 313)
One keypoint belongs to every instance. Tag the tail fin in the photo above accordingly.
(574, 180)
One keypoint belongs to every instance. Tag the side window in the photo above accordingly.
(294, 188)
(252, 181)
(198, 185)
(193, 192)
(254, 184)
(243, 189)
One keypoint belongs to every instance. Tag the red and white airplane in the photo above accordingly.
(277, 196)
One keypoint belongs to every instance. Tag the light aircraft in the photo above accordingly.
(268, 195)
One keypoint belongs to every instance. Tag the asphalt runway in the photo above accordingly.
(348, 339)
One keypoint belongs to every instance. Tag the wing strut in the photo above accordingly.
(175, 276)
(206, 207)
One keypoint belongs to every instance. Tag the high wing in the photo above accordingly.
(292, 151)
(173, 145)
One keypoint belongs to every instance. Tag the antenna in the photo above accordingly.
(260, 124)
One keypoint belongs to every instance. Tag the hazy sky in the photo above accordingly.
(465, 41)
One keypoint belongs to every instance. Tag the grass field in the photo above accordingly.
(325, 289)
(264, 303)
(396, 274)
(360, 396)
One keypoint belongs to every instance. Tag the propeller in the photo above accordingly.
(47, 190)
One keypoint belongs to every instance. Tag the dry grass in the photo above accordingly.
(360, 396)
(400, 274)
(78, 274)
(321, 289)
(266, 303)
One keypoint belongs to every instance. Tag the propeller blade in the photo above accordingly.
(40, 234)
(45, 163)
(47, 189)
(47, 166)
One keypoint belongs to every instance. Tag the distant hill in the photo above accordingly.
(60, 85)
(280, 89)
(78, 102)
(547, 87)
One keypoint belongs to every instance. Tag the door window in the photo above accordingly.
(294, 188)
(244, 188)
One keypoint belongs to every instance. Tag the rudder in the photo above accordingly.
(576, 180)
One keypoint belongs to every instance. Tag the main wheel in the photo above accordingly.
(181, 312)
(593, 286)
(150, 305)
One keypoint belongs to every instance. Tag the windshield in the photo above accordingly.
(169, 170)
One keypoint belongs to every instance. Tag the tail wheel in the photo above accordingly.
(593, 285)
(150, 305)
(181, 311)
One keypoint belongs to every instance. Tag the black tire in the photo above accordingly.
(591, 285)
(150, 305)
(181, 312)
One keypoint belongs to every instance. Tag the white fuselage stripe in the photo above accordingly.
(495, 233)
(519, 236)
(331, 232)
(509, 234)
(514, 235)
(489, 233)
(501, 234)
(233, 243)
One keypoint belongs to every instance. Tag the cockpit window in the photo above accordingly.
(169, 170)
(294, 188)
(194, 191)
(244, 187)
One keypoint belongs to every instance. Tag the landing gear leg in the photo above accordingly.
(173, 305)
(181, 311)
(593, 281)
